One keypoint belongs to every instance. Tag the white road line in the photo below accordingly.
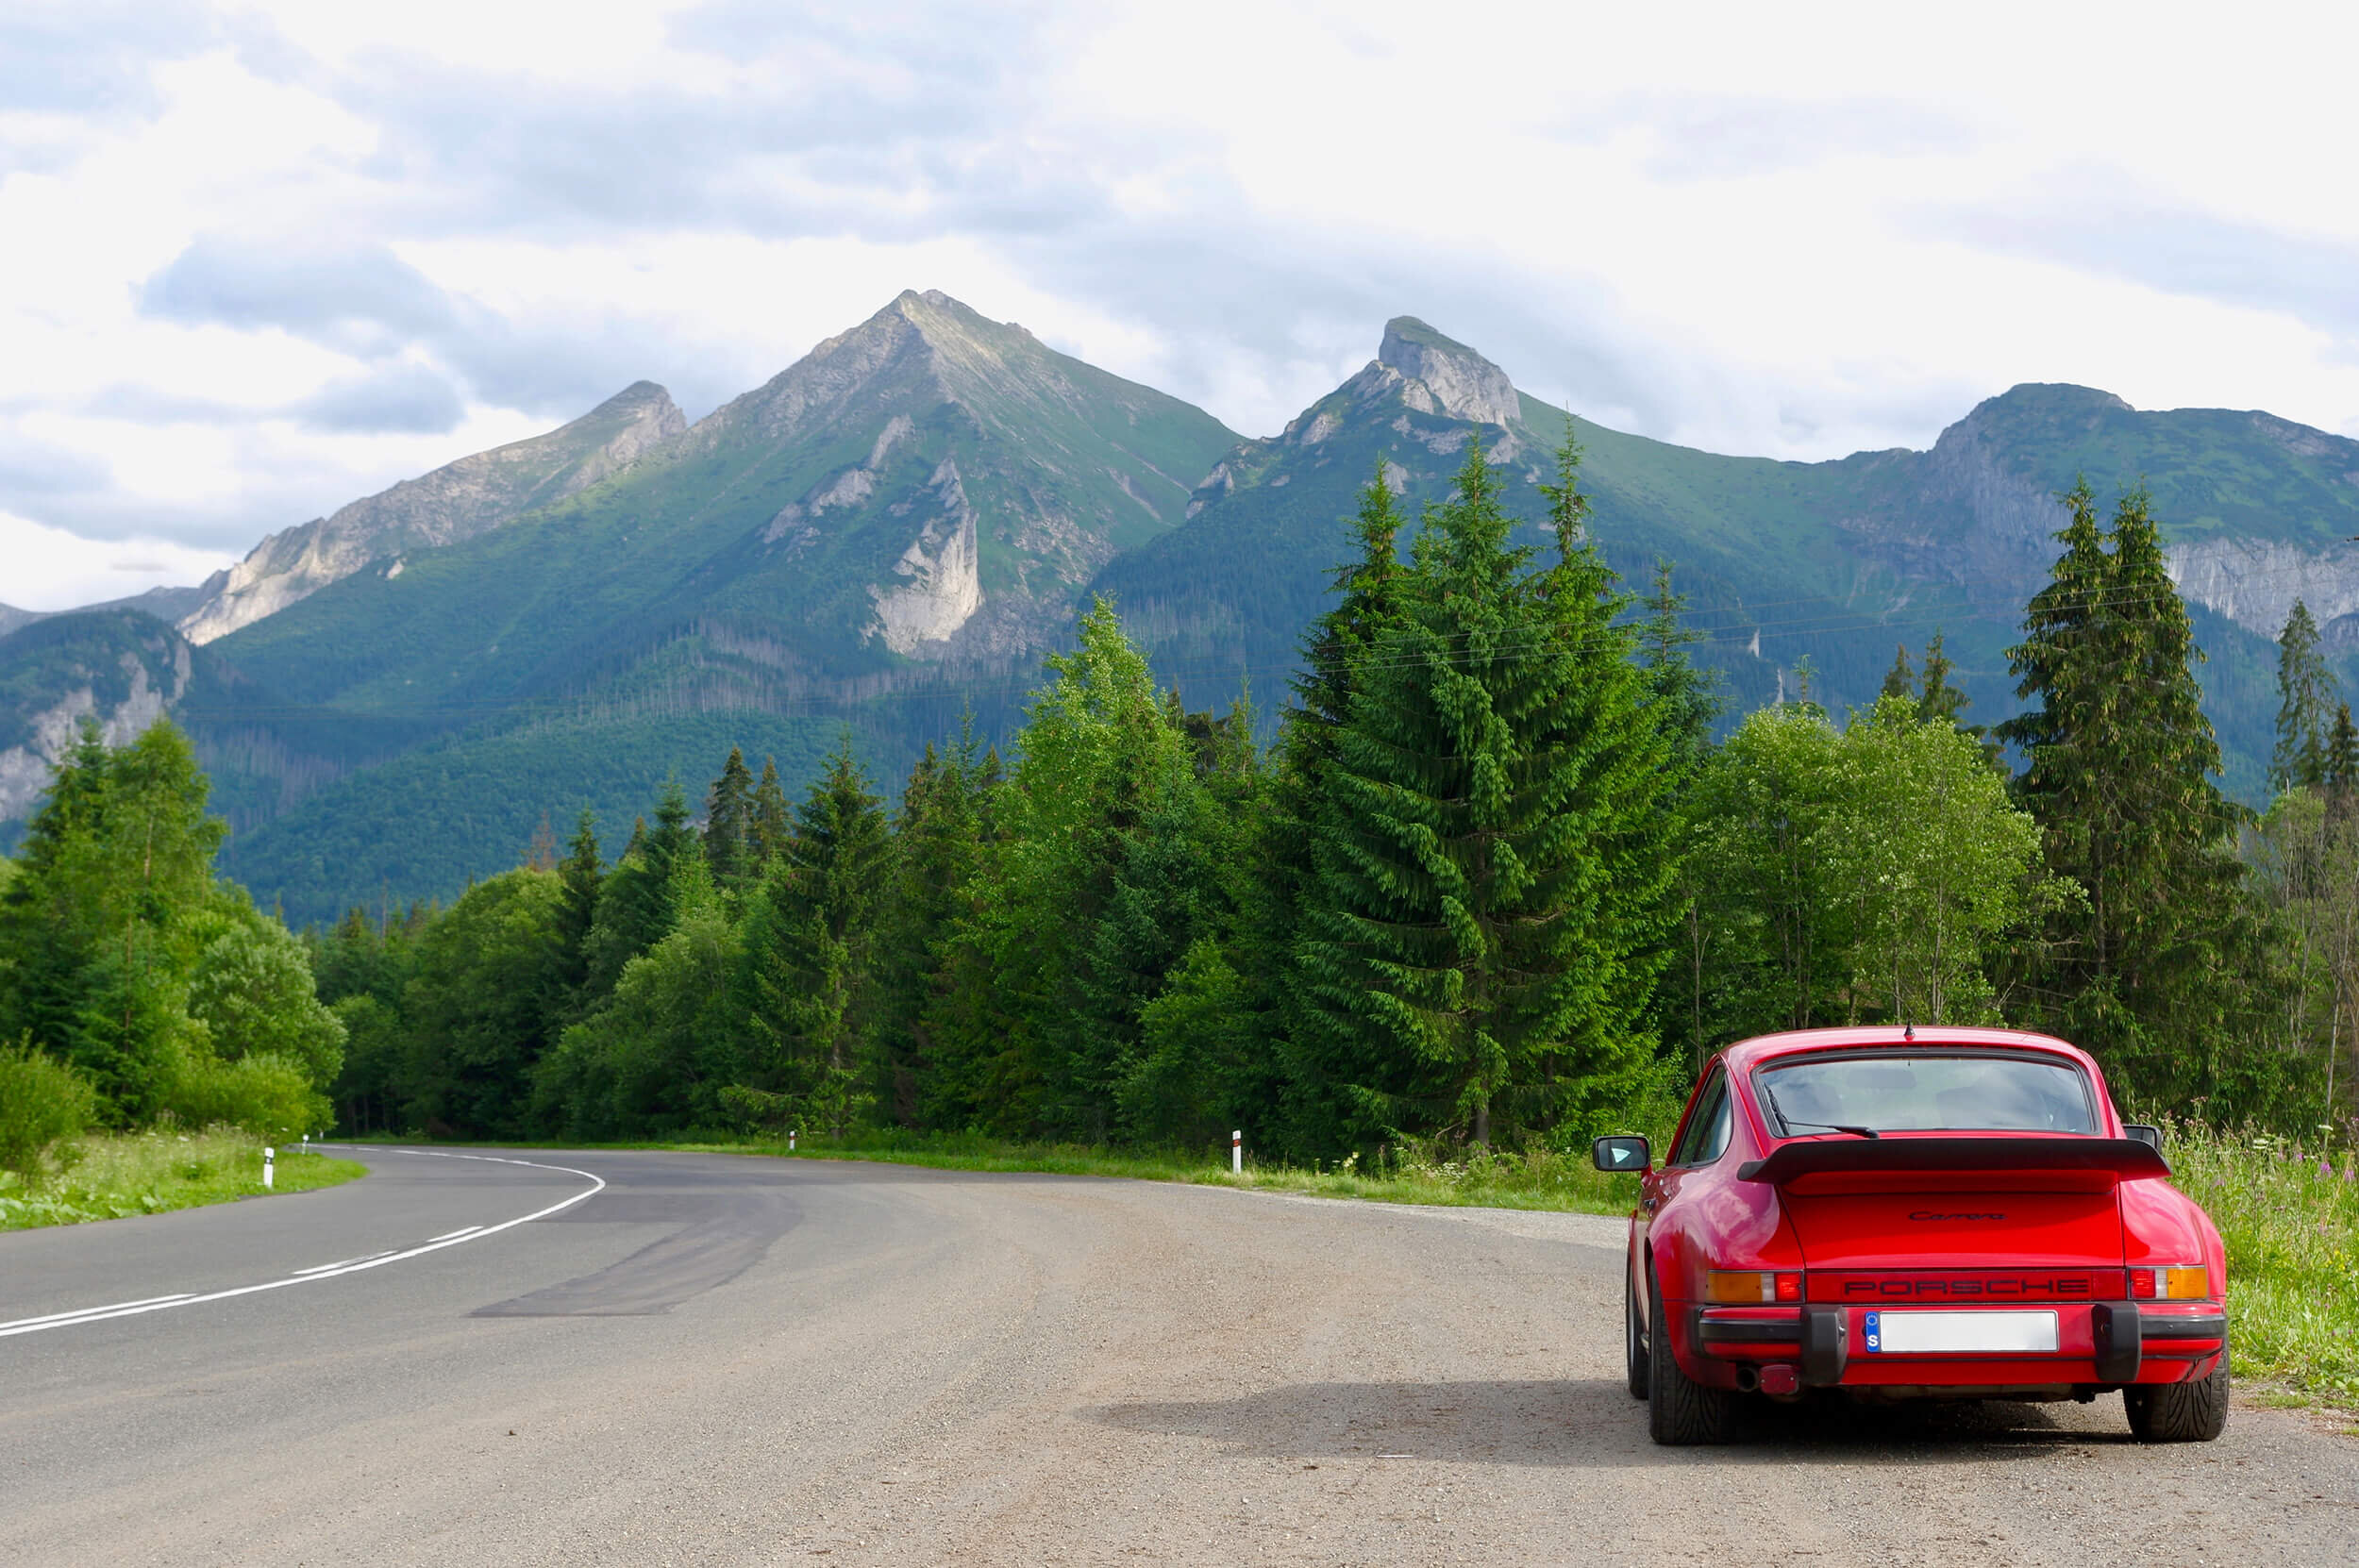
(332, 1270)
(456, 1234)
(120, 1306)
(323, 1268)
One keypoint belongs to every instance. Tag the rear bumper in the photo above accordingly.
(2099, 1344)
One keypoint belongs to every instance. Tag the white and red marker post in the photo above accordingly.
(1236, 1151)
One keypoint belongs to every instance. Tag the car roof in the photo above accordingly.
(1747, 1054)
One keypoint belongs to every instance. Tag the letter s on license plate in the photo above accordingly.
(1961, 1333)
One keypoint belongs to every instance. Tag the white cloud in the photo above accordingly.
(291, 250)
(52, 569)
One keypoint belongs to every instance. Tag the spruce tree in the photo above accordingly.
(2305, 692)
(770, 829)
(583, 872)
(730, 822)
(1939, 700)
(807, 946)
(635, 906)
(1492, 893)
(2342, 764)
(1683, 702)
(1899, 681)
(1683, 699)
(1321, 1060)
(2121, 762)
(934, 853)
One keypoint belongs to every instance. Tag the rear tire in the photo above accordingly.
(1634, 1344)
(2180, 1413)
(1680, 1410)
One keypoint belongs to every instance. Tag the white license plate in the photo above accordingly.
(1961, 1333)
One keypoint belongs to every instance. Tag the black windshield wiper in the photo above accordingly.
(1790, 1124)
(1833, 1126)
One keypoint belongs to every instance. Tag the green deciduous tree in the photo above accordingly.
(477, 1008)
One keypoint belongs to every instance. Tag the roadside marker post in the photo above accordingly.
(1236, 1151)
(790, 1143)
(268, 1154)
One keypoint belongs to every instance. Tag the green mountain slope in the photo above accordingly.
(893, 529)
(901, 521)
(929, 489)
(456, 501)
(125, 668)
(1833, 562)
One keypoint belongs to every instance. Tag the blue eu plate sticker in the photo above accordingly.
(1875, 1332)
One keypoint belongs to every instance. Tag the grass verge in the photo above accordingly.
(117, 1175)
(1542, 1180)
(2290, 1217)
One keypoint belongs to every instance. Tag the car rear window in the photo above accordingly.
(1926, 1092)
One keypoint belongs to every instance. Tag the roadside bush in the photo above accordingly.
(268, 1096)
(43, 1105)
(252, 990)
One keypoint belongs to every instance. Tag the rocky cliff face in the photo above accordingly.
(2254, 583)
(456, 502)
(997, 475)
(1440, 376)
(122, 670)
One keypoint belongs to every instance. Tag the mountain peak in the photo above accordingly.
(631, 399)
(1464, 384)
(458, 500)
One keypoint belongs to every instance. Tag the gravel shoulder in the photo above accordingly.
(756, 1361)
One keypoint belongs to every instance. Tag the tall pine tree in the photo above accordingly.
(770, 828)
(583, 872)
(1321, 1062)
(1492, 897)
(730, 836)
(937, 851)
(1899, 681)
(2306, 697)
(807, 945)
(2120, 768)
(2342, 764)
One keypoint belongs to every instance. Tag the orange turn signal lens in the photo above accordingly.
(2171, 1283)
(1751, 1286)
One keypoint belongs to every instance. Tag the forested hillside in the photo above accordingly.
(890, 532)
(1496, 884)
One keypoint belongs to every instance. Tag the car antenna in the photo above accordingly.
(1908, 1033)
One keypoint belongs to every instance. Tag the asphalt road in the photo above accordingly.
(716, 1361)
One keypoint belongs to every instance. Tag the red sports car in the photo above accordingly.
(1916, 1214)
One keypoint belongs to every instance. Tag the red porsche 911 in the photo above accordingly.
(1916, 1214)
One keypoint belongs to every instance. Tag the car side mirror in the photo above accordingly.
(1622, 1155)
(2139, 1132)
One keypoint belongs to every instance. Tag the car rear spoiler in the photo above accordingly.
(2122, 1158)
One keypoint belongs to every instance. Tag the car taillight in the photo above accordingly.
(1752, 1286)
(2175, 1282)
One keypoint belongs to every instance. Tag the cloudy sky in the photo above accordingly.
(258, 259)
